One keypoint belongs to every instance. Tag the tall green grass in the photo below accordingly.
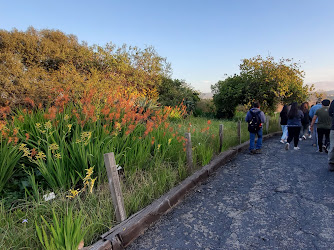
(151, 165)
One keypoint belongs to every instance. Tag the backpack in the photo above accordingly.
(254, 124)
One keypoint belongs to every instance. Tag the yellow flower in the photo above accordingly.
(74, 193)
(40, 155)
(86, 135)
(92, 185)
(38, 125)
(57, 156)
(48, 125)
(53, 147)
(26, 152)
(22, 146)
(88, 174)
(69, 127)
(159, 145)
(66, 117)
(169, 140)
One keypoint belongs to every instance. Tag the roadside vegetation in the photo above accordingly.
(64, 105)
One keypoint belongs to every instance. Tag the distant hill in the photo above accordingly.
(206, 95)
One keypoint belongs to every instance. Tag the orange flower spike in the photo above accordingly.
(179, 126)
(21, 118)
(193, 130)
(33, 152)
(209, 122)
(27, 136)
(16, 139)
(15, 131)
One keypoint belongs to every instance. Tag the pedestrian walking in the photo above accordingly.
(331, 139)
(295, 116)
(323, 125)
(313, 109)
(255, 118)
(284, 123)
(305, 121)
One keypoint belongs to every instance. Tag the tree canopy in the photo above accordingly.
(264, 80)
(34, 63)
(173, 92)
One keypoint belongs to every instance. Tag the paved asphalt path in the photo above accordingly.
(276, 200)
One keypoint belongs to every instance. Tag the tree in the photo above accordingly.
(173, 92)
(34, 63)
(264, 80)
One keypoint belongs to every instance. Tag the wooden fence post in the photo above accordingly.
(115, 187)
(239, 131)
(189, 152)
(221, 136)
(267, 124)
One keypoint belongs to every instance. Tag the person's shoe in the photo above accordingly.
(319, 151)
(258, 151)
(310, 136)
(304, 137)
(296, 148)
(331, 167)
(281, 141)
(300, 139)
(252, 152)
(287, 146)
(325, 149)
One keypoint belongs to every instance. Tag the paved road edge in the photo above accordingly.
(127, 231)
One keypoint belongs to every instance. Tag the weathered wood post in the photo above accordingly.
(221, 136)
(239, 131)
(267, 124)
(115, 187)
(189, 152)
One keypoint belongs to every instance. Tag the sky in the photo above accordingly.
(204, 40)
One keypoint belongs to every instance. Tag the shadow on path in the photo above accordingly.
(276, 200)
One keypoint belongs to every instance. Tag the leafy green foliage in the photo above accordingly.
(264, 80)
(9, 158)
(65, 232)
(34, 63)
(173, 92)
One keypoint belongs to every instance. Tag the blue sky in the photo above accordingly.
(203, 40)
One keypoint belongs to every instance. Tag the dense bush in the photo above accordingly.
(34, 63)
(173, 92)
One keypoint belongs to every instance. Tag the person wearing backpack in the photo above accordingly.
(331, 139)
(255, 117)
(295, 117)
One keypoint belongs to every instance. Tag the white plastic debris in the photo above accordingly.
(49, 196)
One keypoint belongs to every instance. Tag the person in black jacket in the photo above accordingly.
(284, 123)
(305, 121)
(331, 139)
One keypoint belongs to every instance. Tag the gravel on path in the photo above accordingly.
(275, 200)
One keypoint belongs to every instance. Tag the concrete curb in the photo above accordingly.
(127, 231)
